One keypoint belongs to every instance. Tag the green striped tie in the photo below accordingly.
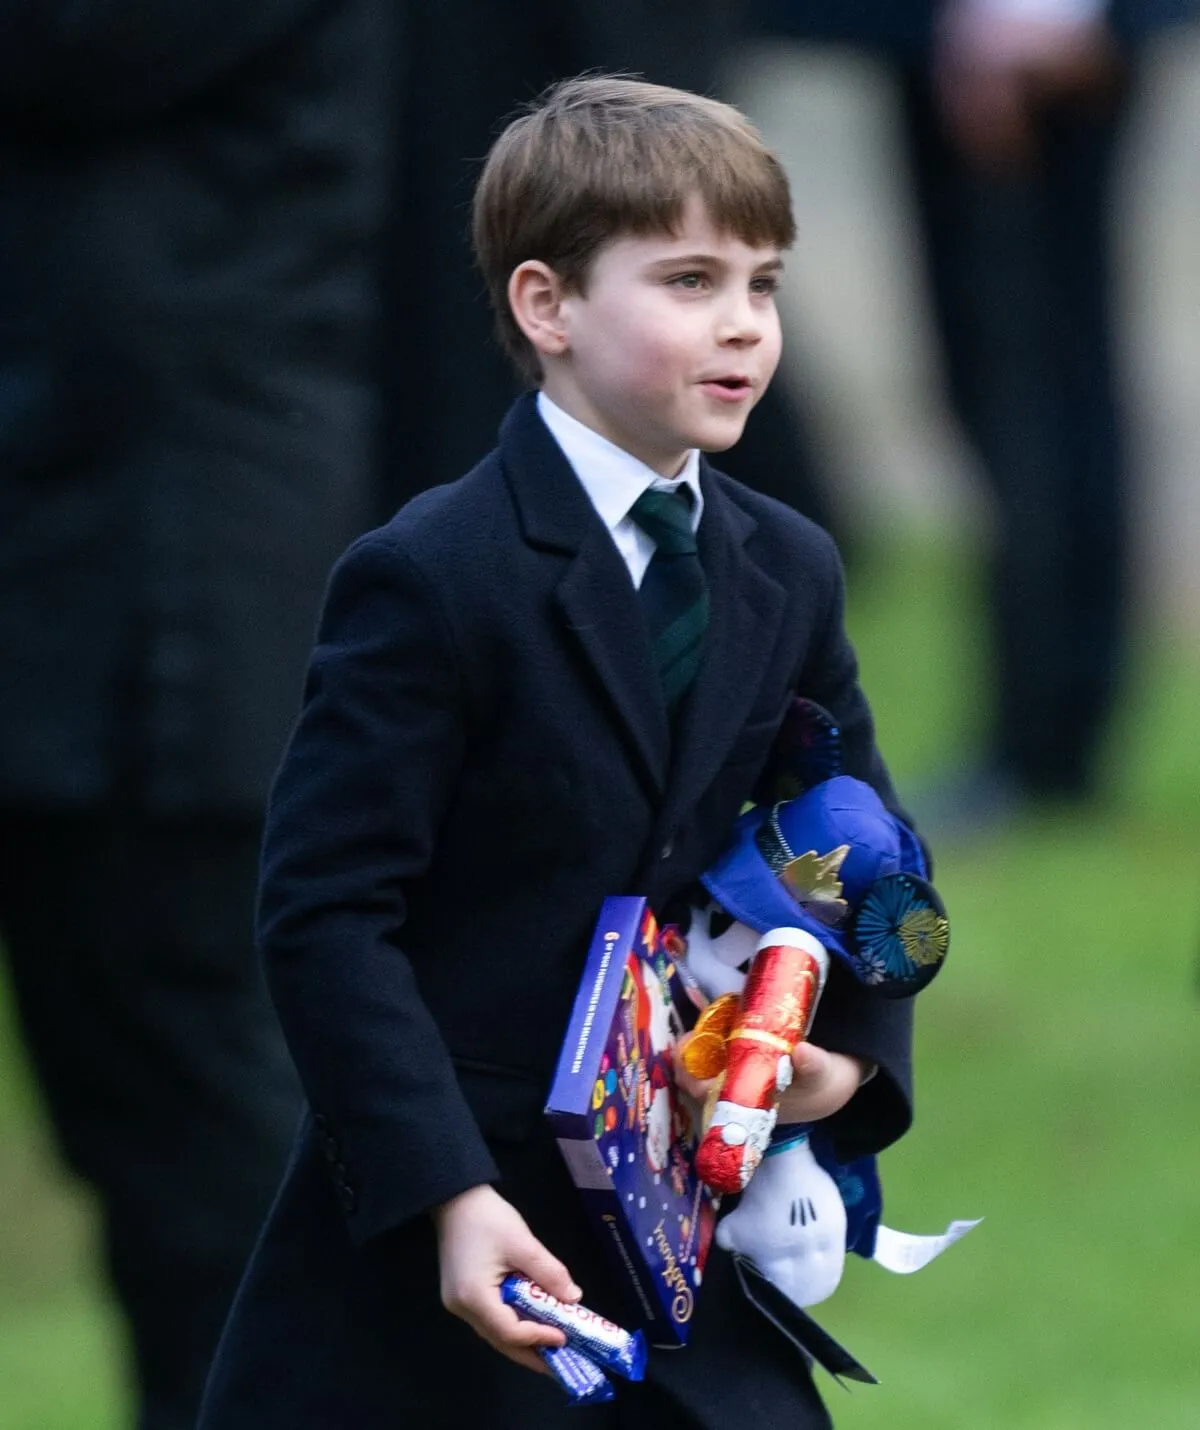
(673, 593)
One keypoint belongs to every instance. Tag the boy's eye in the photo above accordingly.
(691, 281)
(765, 286)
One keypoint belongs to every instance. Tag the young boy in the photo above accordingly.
(496, 734)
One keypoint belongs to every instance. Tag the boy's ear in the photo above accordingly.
(535, 296)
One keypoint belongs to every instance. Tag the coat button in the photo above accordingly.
(347, 1197)
(668, 849)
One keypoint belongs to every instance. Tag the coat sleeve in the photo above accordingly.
(850, 1018)
(69, 63)
(352, 821)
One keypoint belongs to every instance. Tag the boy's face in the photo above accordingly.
(673, 342)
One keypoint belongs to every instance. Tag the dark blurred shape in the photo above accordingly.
(473, 63)
(906, 27)
(1012, 116)
(1020, 268)
(190, 201)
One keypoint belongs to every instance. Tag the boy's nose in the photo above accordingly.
(739, 324)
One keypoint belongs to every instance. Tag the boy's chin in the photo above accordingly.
(720, 436)
(724, 432)
(721, 442)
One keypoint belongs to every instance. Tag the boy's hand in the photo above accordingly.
(823, 1084)
(481, 1240)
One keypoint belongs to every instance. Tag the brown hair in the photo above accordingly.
(602, 156)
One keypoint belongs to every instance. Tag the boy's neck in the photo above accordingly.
(576, 407)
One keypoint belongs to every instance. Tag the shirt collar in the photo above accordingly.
(612, 477)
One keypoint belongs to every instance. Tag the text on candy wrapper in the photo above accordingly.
(573, 1309)
(585, 1033)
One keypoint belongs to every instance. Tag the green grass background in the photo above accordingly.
(1058, 1086)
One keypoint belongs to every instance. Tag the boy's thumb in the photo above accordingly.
(549, 1272)
(807, 1059)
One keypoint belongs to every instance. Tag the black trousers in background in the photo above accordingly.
(1020, 268)
(130, 947)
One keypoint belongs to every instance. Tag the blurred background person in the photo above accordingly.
(190, 199)
(1012, 112)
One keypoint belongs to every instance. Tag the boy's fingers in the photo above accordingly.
(823, 1084)
(808, 1060)
(549, 1272)
(501, 1325)
(526, 1356)
(521, 1356)
(529, 1359)
(505, 1332)
(528, 1335)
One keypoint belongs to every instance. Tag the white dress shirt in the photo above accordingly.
(613, 480)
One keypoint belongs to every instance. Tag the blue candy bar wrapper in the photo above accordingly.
(628, 1137)
(582, 1379)
(606, 1344)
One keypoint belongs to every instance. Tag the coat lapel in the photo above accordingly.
(594, 594)
(747, 605)
(601, 611)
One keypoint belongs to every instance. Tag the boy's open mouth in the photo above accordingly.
(729, 388)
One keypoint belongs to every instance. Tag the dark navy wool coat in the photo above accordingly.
(483, 755)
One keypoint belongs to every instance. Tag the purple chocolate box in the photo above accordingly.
(628, 1137)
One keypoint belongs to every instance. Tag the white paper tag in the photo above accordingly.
(898, 1251)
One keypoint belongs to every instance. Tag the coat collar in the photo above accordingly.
(553, 509)
(600, 608)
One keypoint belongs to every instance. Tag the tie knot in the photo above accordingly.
(666, 518)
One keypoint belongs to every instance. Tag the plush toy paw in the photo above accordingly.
(791, 1223)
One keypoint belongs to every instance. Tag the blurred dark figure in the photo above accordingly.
(473, 62)
(1013, 110)
(188, 214)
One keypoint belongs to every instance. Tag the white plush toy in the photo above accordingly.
(833, 867)
(791, 1222)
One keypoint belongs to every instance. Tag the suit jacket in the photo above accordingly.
(483, 756)
(190, 202)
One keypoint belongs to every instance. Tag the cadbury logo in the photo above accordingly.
(682, 1303)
